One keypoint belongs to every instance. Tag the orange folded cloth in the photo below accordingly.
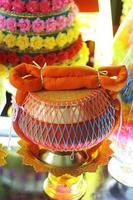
(29, 78)
(112, 78)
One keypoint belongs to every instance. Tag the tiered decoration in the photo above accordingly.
(44, 31)
(65, 126)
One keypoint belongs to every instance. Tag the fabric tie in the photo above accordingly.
(29, 78)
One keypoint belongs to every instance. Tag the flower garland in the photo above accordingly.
(3, 155)
(34, 6)
(13, 58)
(48, 25)
(80, 59)
(3, 72)
(38, 42)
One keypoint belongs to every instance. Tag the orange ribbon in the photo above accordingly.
(30, 78)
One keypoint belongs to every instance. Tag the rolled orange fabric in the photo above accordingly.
(26, 77)
(29, 78)
(115, 79)
(57, 78)
(20, 96)
(57, 72)
(68, 78)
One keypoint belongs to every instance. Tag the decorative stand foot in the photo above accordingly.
(65, 187)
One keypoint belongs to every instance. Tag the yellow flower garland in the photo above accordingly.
(3, 72)
(36, 42)
(22, 41)
(1, 37)
(61, 39)
(70, 35)
(49, 43)
(10, 40)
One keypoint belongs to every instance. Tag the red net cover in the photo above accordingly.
(66, 120)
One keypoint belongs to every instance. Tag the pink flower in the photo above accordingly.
(44, 6)
(70, 18)
(18, 6)
(75, 9)
(2, 22)
(61, 22)
(11, 24)
(1, 3)
(38, 25)
(32, 6)
(24, 25)
(66, 2)
(50, 25)
(6, 4)
(57, 5)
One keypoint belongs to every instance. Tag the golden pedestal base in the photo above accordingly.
(65, 187)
